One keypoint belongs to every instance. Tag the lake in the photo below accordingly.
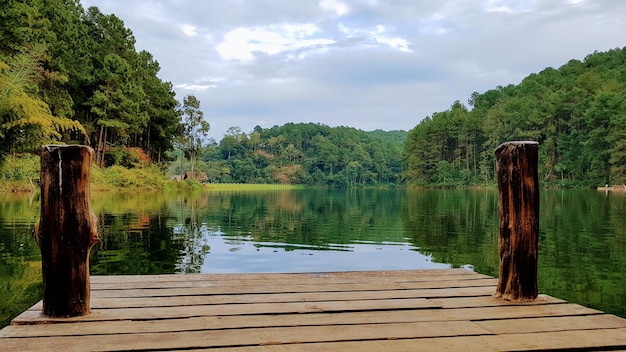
(582, 244)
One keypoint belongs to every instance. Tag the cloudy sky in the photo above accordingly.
(369, 64)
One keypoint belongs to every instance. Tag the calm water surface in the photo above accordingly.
(582, 237)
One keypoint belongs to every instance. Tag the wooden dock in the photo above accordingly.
(408, 310)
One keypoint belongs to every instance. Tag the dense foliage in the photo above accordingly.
(311, 154)
(577, 113)
(70, 75)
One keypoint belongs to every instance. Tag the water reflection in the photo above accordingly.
(456, 227)
(294, 231)
(20, 266)
(217, 252)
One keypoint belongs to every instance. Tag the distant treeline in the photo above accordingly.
(304, 153)
(577, 113)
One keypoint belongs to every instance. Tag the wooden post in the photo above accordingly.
(518, 211)
(66, 230)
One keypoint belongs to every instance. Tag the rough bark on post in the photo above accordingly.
(518, 211)
(66, 231)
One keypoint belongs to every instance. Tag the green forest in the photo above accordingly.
(305, 153)
(73, 75)
(577, 113)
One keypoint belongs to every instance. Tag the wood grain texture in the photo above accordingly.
(66, 230)
(518, 212)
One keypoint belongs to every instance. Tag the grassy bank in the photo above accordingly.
(248, 187)
(120, 178)
(21, 174)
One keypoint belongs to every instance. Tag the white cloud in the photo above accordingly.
(242, 43)
(189, 30)
(497, 7)
(194, 87)
(519, 6)
(335, 6)
(396, 43)
(377, 35)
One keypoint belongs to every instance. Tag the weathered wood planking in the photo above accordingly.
(410, 310)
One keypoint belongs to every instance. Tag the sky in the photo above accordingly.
(368, 64)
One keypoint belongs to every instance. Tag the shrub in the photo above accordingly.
(116, 177)
(20, 168)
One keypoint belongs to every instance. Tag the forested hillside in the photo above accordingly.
(577, 113)
(70, 75)
(305, 153)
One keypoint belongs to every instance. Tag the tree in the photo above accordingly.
(26, 121)
(62, 63)
(195, 129)
(575, 112)
(161, 107)
(117, 104)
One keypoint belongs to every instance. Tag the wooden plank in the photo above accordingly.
(597, 340)
(288, 288)
(304, 281)
(544, 324)
(479, 315)
(33, 316)
(387, 337)
(462, 302)
(173, 301)
(425, 274)
(254, 336)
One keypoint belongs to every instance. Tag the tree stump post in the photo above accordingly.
(67, 230)
(518, 212)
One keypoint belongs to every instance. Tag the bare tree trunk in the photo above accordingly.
(100, 145)
(518, 211)
(192, 156)
(104, 147)
(67, 229)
